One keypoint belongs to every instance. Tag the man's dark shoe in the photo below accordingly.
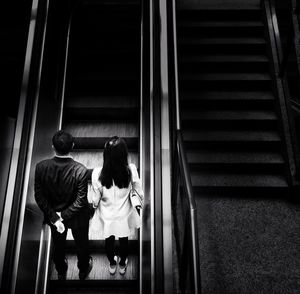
(62, 275)
(84, 274)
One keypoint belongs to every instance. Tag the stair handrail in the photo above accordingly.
(181, 165)
(291, 38)
(293, 154)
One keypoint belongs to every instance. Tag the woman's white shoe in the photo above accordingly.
(122, 268)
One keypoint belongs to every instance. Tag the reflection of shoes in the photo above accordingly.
(122, 268)
(84, 274)
(62, 275)
(113, 266)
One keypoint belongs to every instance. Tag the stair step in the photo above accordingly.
(213, 179)
(223, 58)
(203, 103)
(220, 14)
(197, 136)
(203, 157)
(221, 157)
(220, 24)
(223, 67)
(251, 77)
(238, 115)
(227, 95)
(220, 29)
(221, 41)
(224, 85)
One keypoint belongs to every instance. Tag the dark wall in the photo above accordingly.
(13, 35)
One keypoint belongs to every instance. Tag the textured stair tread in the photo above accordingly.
(227, 95)
(239, 136)
(215, 41)
(126, 101)
(100, 269)
(205, 58)
(234, 157)
(194, 114)
(221, 24)
(214, 179)
(102, 129)
(227, 77)
(214, 11)
(94, 158)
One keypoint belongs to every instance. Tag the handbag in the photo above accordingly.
(135, 198)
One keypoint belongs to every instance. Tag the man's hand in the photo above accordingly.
(60, 227)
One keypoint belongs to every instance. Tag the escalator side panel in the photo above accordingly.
(45, 126)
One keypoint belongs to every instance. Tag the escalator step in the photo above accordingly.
(94, 158)
(98, 143)
(105, 113)
(100, 270)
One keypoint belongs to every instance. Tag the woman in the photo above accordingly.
(112, 184)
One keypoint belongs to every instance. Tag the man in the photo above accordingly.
(61, 193)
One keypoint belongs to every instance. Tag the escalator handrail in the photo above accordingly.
(31, 76)
(184, 168)
(41, 284)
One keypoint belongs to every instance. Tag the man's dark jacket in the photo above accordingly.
(61, 185)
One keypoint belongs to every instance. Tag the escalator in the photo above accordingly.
(91, 69)
(101, 99)
(237, 150)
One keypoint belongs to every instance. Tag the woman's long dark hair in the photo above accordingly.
(115, 164)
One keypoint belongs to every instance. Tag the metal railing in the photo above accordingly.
(282, 89)
(292, 37)
(183, 202)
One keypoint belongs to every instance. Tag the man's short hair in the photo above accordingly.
(62, 142)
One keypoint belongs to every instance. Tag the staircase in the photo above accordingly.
(229, 119)
(102, 100)
(236, 153)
